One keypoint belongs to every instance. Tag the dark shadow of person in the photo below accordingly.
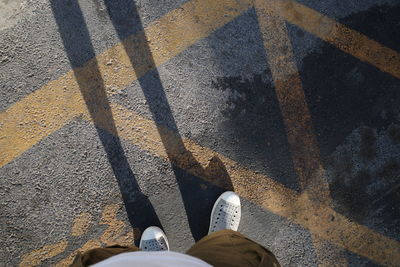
(80, 52)
(198, 194)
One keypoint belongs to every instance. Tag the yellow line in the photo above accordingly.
(38, 115)
(49, 108)
(290, 94)
(341, 36)
(81, 224)
(321, 220)
(297, 120)
(37, 256)
(117, 232)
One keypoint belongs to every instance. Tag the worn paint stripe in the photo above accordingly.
(34, 258)
(81, 224)
(38, 115)
(297, 120)
(264, 191)
(117, 232)
(341, 36)
(49, 108)
(290, 94)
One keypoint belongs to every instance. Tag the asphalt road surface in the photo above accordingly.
(120, 114)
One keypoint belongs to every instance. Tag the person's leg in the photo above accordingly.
(98, 254)
(226, 247)
(153, 239)
(230, 248)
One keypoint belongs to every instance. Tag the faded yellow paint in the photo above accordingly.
(37, 256)
(341, 36)
(38, 115)
(297, 120)
(166, 38)
(109, 213)
(115, 233)
(127, 239)
(81, 224)
(290, 95)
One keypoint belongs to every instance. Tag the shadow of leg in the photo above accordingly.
(80, 51)
(198, 195)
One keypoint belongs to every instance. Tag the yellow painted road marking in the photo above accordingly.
(297, 120)
(37, 256)
(115, 227)
(81, 224)
(320, 219)
(341, 36)
(38, 115)
(49, 108)
(290, 94)
(115, 233)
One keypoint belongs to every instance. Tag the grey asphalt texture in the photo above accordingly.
(221, 95)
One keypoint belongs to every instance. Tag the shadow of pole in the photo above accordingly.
(80, 51)
(197, 197)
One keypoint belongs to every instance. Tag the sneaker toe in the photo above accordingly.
(231, 197)
(152, 232)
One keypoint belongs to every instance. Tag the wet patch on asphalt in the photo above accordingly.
(252, 110)
(365, 186)
(344, 93)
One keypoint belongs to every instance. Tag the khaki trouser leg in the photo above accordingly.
(230, 248)
(98, 254)
(223, 248)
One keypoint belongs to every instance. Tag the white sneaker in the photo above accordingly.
(154, 239)
(225, 213)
